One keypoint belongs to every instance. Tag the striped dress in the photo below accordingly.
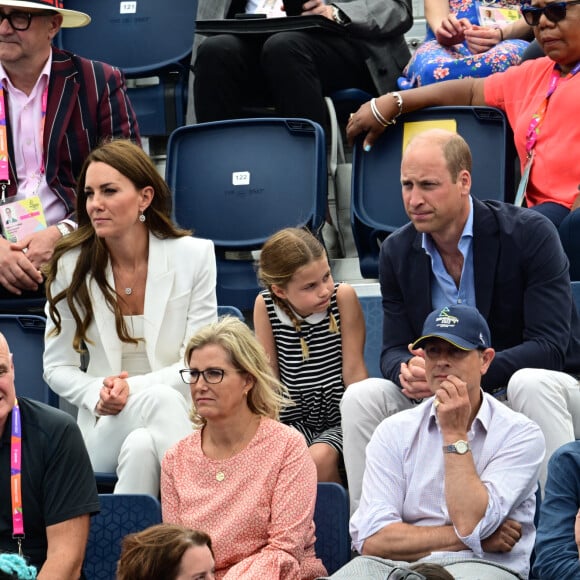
(316, 384)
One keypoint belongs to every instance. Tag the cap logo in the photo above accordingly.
(481, 339)
(446, 320)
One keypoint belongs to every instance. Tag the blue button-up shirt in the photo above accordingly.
(443, 288)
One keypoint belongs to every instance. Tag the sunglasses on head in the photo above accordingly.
(554, 11)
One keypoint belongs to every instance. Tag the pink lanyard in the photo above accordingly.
(16, 476)
(4, 172)
(534, 128)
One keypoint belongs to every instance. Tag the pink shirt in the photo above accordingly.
(260, 515)
(25, 112)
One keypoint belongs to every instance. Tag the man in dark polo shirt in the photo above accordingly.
(47, 485)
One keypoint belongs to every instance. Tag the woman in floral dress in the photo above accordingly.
(466, 38)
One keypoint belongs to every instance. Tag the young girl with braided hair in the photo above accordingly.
(313, 332)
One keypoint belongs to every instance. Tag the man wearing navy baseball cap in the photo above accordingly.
(451, 481)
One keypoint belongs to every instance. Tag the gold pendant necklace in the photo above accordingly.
(220, 475)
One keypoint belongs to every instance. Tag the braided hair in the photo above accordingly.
(282, 255)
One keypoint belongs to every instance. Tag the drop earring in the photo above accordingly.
(142, 217)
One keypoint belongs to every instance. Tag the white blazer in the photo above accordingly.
(180, 298)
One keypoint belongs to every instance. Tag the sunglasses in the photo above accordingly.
(554, 11)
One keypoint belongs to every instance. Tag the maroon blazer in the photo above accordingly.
(87, 102)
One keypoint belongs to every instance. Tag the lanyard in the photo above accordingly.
(534, 128)
(4, 173)
(16, 477)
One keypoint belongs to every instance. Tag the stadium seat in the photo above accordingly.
(369, 296)
(25, 336)
(120, 515)
(230, 311)
(377, 208)
(237, 182)
(331, 517)
(348, 100)
(576, 294)
(148, 40)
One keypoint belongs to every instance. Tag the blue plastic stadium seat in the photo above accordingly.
(120, 515)
(331, 517)
(373, 313)
(377, 207)
(145, 39)
(25, 336)
(237, 182)
(576, 294)
(230, 311)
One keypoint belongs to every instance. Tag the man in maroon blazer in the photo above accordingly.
(54, 108)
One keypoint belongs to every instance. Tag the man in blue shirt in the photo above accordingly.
(507, 262)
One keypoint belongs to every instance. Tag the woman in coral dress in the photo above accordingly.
(243, 477)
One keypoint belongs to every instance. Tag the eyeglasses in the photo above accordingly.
(211, 376)
(554, 11)
(20, 20)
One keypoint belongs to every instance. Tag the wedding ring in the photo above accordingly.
(24, 250)
(436, 403)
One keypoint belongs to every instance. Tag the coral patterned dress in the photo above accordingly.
(433, 62)
(257, 506)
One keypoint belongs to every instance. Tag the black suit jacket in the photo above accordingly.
(522, 288)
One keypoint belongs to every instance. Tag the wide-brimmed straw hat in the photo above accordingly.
(71, 18)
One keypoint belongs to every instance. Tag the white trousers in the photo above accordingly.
(134, 442)
(550, 398)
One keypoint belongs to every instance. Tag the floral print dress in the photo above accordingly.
(433, 62)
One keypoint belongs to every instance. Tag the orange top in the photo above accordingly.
(519, 91)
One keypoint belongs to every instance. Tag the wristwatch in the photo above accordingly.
(64, 231)
(461, 447)
(338, 15)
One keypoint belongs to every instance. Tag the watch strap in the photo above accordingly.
(460, 447)
(63, 229)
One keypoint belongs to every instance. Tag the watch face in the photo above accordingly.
(462, 447)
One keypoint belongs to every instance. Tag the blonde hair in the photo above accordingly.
(282, 255)
(268, 395)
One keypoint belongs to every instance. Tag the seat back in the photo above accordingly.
(145, 39)
(25, 336)
(331, 517)
(120, 515)
(230, 311)
(576, 294)
(237, 182)
(373, 312)
(377, 207)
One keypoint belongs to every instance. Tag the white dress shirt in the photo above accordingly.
(404, 478)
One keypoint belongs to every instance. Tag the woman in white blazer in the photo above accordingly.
(129, 288)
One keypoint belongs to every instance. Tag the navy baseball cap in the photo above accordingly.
(462, 326)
